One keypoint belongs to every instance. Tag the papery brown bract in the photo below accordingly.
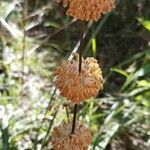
(88, 9)
(62, 139)
(76, 86)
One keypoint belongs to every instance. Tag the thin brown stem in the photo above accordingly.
(81, 45)
(74, 118)
(80, 68)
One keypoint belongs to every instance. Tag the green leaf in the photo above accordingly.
(145, 23)
(143, 83)
(146, 103)
(94, 47)
(122, 72)
(144, 70)
(5, 138)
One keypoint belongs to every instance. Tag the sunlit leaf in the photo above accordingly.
(94, 46)
(122, 72)
(145, 23)
(143, 83)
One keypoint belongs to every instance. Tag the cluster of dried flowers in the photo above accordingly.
(78, 86)
(88, 9)
(63, 140)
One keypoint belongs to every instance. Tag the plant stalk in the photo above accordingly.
(74, 118)
(81, 45)
(80, 68)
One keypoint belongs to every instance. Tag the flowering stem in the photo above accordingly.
(81, 45)
(74, 118)
(80, 66)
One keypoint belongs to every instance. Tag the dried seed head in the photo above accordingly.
(88, 9)
(78, 87)
(62, 139)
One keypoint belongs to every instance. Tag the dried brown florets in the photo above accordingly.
(88, 9)
(62, 139)
(78, 87)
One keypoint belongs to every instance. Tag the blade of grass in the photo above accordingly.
(5, 138)
(49, 128)
(47, 109)
(96, 31)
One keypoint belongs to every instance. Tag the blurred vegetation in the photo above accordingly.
(33, 44)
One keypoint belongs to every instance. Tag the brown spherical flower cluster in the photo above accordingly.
(88, 9)
(76, 86)
(62, 139)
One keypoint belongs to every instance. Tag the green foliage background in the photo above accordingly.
(119, 117)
